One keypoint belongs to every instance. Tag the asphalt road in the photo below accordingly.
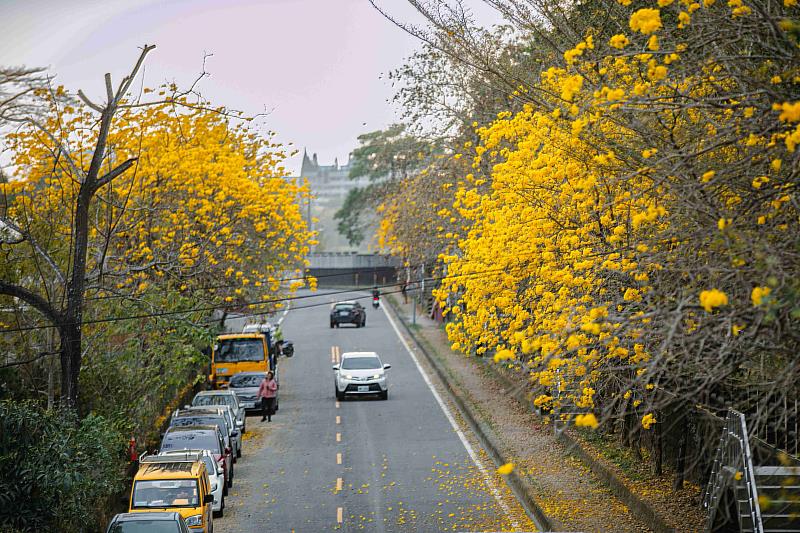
(362, 464)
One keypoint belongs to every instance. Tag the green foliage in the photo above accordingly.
(55, 471)
(389, 153)
(387, 157)
(136, 367)
(349, 216)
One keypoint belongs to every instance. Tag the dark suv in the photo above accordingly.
(348, 313)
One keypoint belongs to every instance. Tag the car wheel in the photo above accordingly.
(221, 512)
(239, 451)
(384, 395)
(339, 395)
(224, 488)
(364, 323)
(332, 325)
(230, 478)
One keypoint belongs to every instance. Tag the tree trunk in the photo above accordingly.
(71, 333)
(657, 449)
(680, 460)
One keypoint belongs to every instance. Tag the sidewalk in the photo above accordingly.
(571, 496)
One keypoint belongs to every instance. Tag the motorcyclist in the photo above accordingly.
(376, 297)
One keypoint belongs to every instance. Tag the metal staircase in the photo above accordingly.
(741, 496)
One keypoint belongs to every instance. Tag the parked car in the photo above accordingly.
(234, 433)
(349, 312)
(201, 438)
(151, 522)
(177, 483)
(215, 476)
(211, 414)
(245, 385)
(223, 397)
(361, 373)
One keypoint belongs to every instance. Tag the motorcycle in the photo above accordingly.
(376, 301)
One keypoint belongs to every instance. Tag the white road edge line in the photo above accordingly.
(449, 416)
(285, 312)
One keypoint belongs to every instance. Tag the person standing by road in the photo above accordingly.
(268, 392)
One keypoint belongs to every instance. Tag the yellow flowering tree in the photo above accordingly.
(167, 196)
(630, 222)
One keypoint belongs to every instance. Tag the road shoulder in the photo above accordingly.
(561, 486)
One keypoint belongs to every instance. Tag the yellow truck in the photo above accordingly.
(238, 352)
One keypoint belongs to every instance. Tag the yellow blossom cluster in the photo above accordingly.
(576, 204)
(204, 207)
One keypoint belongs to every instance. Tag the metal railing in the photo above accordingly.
(733, 465)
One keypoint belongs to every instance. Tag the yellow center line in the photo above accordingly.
(337, 404)
(338, 419)
(339, 514)
(339, 483)
(338, 437)
(338, 458)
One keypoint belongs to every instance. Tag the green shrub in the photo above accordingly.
(56, 471)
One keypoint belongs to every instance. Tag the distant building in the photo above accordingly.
(329, 183)
(329, 186)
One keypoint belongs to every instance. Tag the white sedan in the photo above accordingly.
(361, 373)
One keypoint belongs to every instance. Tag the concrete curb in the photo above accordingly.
(639, 507)
(520, 486)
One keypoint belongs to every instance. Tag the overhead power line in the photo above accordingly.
(254, 303)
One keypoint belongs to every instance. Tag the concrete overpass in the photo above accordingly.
(352, 269)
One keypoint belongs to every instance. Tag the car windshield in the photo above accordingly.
(344, 307)
(360, 363)
(209, 420)
(215, 399)
(191, 440)
(246, 380)
(165, 493)
(237, 350)
(146, 526)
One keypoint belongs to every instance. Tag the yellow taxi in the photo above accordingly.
(174, 483)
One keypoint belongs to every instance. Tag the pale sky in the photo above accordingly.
(316, 64)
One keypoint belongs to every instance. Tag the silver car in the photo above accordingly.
(223, 397)
(245, 385)
(234, 433)
(154, 521)
(361, 373)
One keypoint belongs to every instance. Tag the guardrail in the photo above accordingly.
(733, 466)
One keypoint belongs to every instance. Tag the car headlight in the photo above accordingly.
(348, 376)
(377, 376)
(196, 520)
